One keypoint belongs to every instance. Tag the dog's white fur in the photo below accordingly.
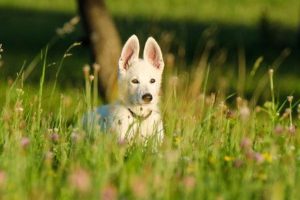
(132, 117)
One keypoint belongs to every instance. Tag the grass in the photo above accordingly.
(230, 134)
(217, 11)
(221, 11)
(217, 145)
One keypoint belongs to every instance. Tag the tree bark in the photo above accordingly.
(105, 43)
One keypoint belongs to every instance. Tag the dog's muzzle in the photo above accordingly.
(147, 98)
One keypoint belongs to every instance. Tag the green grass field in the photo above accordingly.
(231, 128)
(212, 149)
(224, 11)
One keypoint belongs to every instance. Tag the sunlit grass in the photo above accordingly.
(217, 145)
(247, 12)
(65, 6)
(223, 141)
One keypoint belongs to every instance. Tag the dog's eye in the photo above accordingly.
(135, 81)
(152, 80)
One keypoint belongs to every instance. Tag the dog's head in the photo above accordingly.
(140, 79)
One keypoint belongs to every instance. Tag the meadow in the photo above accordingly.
(212, 150)
(230, 134)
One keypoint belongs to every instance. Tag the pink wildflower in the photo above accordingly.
(80, 180)
(25, 141)
(109, 192)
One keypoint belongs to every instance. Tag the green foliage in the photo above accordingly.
(217, 145)
(212, 149)
(224, 11)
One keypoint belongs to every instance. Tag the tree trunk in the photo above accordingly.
(105, 43)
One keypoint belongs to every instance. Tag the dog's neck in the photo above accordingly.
(141, 111)
(139, 117)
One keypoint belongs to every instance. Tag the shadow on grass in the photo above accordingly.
(25, 32)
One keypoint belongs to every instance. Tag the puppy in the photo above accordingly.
(136, 114)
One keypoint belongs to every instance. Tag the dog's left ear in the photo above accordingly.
(130, 53)
(152, 54)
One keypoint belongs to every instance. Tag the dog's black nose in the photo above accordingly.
(147, 97)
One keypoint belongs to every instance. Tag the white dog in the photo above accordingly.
(136, 114)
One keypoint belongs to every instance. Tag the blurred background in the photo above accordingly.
(233, 37)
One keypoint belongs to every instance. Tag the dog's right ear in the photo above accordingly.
(152, 54)
(130, 53)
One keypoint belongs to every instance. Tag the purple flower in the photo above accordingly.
(80, 180)
(54, 137)
(25, 141)
(189, 182)
(2, 178)
(278, 130)
(292, 129)
(139, 187)
(245, 144)
(259, 158)
(109, 192)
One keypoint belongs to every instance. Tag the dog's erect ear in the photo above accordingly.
(152, 53)
(130, 53)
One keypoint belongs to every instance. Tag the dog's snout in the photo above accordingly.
(147, 97)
